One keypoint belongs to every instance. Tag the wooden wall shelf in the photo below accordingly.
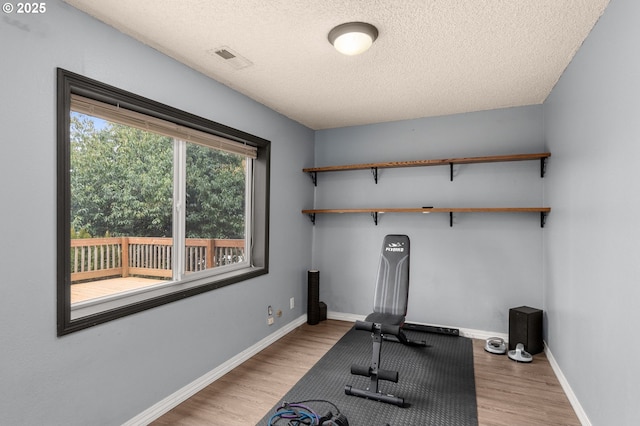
(451, 210)
(542, 156)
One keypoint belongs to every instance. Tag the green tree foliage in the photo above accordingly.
(122, 184)
(215, 193)
(79, 234)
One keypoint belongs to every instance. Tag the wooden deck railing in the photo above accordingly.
(93, 258)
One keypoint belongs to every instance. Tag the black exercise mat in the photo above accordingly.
(437, 382)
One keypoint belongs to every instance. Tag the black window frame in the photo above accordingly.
(69, 83)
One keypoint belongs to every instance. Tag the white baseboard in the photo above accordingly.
(573, 400)
(341, 316)
(173, 400)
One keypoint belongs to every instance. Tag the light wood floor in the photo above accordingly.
(508, 393)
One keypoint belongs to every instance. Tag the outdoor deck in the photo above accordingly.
(105, 266)
(85, 291)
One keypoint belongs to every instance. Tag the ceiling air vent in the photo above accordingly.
(231, 57)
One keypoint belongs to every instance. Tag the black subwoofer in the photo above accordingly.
(525, 326)
(313, 297)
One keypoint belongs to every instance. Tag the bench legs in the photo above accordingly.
(374, 372)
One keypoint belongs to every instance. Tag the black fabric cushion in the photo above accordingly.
(388, 319)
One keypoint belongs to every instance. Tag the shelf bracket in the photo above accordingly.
(451, 219)
(451, 171)
(543, 166)
(314, 178)
(374, 215)
(312, 216)
(374, 171)
(543, 219)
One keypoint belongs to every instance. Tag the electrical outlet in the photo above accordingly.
(292, 303)
(270, 315)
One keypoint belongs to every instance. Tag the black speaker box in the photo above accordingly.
(525, 326)
(323, 311)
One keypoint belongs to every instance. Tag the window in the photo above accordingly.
(154, 204)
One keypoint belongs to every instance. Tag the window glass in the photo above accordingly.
(121, 207)
(123, 196)
(215, 203)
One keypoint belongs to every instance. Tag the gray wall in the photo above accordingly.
(467, 276)
(592, 270)
(110, 373)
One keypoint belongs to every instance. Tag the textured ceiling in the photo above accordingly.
(432, 57)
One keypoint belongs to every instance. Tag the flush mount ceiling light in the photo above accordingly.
(353, 38)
